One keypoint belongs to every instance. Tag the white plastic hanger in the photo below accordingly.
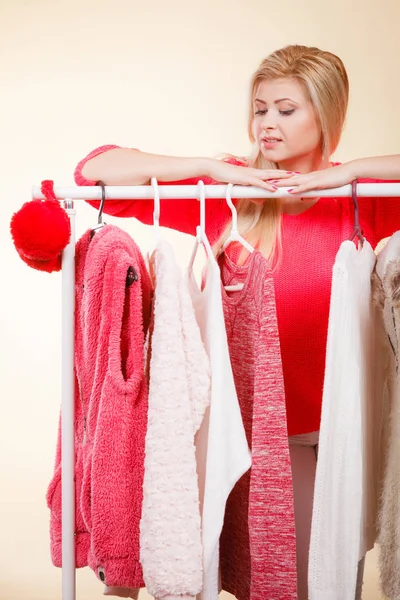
(201, 237)
(156, 213)
(151, 253)
(234, 237)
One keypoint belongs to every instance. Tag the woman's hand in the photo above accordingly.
(318, 180)
(227, 173)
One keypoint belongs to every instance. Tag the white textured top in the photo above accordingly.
(343, 524)
(171, 551)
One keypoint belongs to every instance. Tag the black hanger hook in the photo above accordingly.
(103, 199)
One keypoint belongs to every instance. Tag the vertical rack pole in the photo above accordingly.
(67, 412)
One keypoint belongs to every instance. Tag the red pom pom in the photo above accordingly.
(41, 230)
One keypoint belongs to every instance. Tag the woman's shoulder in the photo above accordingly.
(78, 176)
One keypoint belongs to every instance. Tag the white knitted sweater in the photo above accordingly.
(171, 549)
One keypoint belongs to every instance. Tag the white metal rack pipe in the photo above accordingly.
(68, 194)
(145, 192)
(68, 412)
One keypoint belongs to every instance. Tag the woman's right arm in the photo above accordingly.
(125, 166)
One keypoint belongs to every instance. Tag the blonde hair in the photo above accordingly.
(324, 80)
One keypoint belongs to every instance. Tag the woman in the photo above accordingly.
(299, 98)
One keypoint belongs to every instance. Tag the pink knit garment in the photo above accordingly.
(111, 321)
(258, 543)
(310, 242)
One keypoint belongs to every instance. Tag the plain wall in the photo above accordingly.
(168, 77)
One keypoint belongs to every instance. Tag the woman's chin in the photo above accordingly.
(273, 155)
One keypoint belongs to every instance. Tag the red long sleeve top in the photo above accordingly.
(310, 242)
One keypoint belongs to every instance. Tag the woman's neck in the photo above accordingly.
(304, 164)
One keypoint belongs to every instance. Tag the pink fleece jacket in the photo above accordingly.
(111, 398)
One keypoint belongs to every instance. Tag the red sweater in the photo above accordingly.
(310, 242)
(258, 541)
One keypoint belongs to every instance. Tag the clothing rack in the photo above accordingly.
(68, 195)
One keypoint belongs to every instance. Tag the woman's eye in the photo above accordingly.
(287, 112)
(260, 112)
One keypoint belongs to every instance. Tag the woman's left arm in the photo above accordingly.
(386, 214)
(378, 167)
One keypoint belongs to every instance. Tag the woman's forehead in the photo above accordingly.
(273, 90)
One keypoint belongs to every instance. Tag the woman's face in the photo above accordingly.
(285, 126)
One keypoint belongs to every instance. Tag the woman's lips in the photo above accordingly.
(270, 142)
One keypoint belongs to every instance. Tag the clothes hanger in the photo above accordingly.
(156, 229)
(201, 237)
(100, 222)
(357, 232)
(131, 275)
(234, 236)
(156, 213)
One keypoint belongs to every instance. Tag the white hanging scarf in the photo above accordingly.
(343, 524)
(223, 455)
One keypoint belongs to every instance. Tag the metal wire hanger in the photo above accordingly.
(100, 222)
(357, 231)
(132, 275)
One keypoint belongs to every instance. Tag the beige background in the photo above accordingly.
(166, 77)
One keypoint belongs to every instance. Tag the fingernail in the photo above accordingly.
(275, 187)
(291, 190)
(293, 172)
(274, 181)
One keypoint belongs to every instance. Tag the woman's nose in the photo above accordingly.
(268, 121)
